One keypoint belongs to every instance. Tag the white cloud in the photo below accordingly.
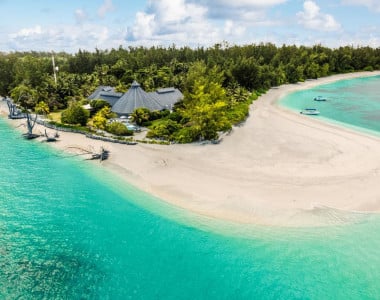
(365, 36)
(106, 7)
(174, 11)
(143, 28)
(197, 22)
(27, 32)
(312, 18)
(66, 38)
(172, 21)
(80, 16)
(237, 9)
(247, 3)
(233, 29)
(371, 4)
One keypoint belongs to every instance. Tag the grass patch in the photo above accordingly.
(55, 116)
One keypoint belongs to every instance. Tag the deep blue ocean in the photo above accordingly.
(71, 230)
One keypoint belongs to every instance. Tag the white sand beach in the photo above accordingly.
(279, 168)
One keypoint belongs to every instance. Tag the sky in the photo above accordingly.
(70, 25)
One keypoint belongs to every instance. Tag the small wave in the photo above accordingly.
(324, 215)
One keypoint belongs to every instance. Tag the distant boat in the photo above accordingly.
(310, 111)
(320, 98)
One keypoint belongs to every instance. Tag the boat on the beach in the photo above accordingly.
(320, 98)
(310, 111)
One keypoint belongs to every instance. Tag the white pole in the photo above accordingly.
(54, 69)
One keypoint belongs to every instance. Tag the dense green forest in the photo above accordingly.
(218, 83)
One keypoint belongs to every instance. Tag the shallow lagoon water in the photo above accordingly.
(71, 230)
(353, 103)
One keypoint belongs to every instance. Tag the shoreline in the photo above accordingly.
(280, 168)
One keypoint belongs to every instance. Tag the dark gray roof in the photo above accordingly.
(111, 99)
(165, 90)
(106, 93)
(134, 98)
(167, 97)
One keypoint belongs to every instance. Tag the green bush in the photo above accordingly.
(237, 115)
(163, 129)
(75, 127)
(368, 69)
(239, 112)
(75, 114)
(186, 135)
(253, 96)
(175, 116)
(118, 129)
(98, 104)
(141, 116)
(145, 124)
(158, 114)
(261, 91)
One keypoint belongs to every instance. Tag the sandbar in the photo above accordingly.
(279, 168)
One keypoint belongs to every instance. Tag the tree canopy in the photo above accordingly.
(218, 82)
(75, 114)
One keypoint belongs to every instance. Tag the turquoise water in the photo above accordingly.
(70, 230)
(352, 103)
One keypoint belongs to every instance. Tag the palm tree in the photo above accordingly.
(140, 115)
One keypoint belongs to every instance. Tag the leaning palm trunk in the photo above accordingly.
(14, 112)
(30, 122)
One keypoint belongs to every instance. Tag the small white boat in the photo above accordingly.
(320, 98)
(310, 111)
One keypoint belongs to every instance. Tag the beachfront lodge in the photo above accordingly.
(136, 97)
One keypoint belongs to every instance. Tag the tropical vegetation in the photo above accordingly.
(219, 83)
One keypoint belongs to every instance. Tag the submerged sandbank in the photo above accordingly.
(279, 168)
